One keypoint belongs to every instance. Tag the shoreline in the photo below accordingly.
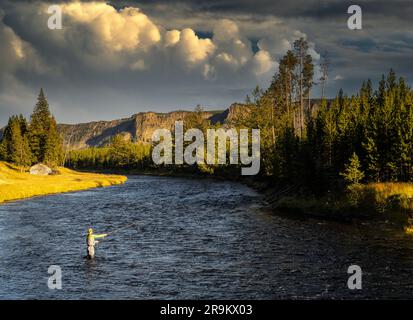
(16, 185)
(290, 203)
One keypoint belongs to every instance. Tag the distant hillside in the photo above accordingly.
(139, 127)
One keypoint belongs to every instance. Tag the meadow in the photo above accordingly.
(16, 184)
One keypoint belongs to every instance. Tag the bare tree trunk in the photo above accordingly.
(324, 70)
(288, 98)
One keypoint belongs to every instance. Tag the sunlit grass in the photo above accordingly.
(395, 198)
(390, 201)
(15, 184)
(392, 188)
(385, 192)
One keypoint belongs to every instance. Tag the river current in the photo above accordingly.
(175, 238)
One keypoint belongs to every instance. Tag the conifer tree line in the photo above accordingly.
(321, 146)
(123, 153)
(38, 141)
(120, 153)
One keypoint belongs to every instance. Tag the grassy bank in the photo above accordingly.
(15, 184)
(391, 202)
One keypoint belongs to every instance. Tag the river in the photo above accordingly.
(198, 239)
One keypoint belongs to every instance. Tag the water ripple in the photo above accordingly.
(195, 239)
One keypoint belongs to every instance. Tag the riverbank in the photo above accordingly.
(390, 203)
(15, 185)
(384, 202)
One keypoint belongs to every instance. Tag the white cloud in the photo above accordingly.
(232, 48)
(127, 29)
(193, 49)
(263, 63)
(226, 30)
(172, 37)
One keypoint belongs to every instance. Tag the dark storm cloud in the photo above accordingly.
(213, 63)
(402, 9)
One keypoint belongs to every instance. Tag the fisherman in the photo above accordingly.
(91, 242)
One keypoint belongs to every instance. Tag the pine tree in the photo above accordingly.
(14, 146)
(196, 120)
(45, 141)
(286, 81)
(20, 150)
(120, 151)
(352, 173)
(3, 152)
(5, 146)
(39, 125)
(53, 150)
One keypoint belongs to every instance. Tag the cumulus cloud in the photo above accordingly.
(172, 37)
(233, 48)
(126, 29)
(126, 50)
(263, 62)
(191, 48)
(98, 38)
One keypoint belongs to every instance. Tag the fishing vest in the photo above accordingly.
(90, 240)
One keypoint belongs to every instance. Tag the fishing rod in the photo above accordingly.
(91, 251)
(124, 227)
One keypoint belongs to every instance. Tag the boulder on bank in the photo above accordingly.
(40, 170)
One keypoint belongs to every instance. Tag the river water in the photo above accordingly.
(198, 239)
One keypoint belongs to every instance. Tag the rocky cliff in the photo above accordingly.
(138, 127)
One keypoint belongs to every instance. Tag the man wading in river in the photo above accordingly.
(90, 241)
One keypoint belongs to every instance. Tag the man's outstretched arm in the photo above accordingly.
(100, 235)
